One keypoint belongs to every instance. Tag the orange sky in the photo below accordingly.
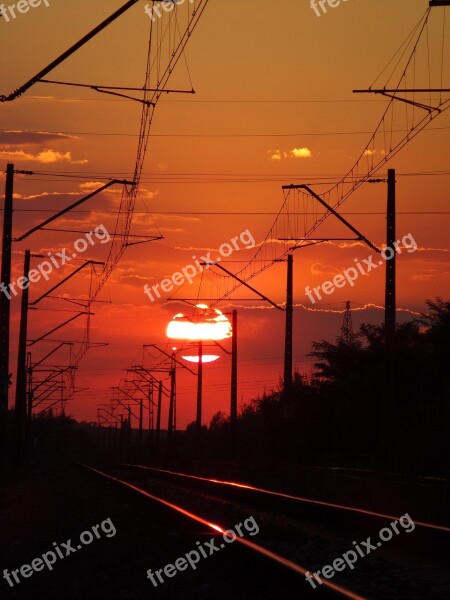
(269, 76)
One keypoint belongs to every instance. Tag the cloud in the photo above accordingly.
(55, 99)
(90, 186)
(369, 152)
(432, 250)
(177, 218)
(47, 156)
(369, 306)
(270, 241)
(300, 153)
(46, 194)
(86, 187)
(278, 155)
(90, 220)
(52, 156)
(275, 155)
(196, 249)
(320, 269)
(170, 229)
(431, 275)
(209, 249)
(114, 193)
(29, 138)
(135, 280)
(344, 245)
(144, 219)
(146, 194)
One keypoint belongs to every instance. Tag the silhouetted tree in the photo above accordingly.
(218, 421)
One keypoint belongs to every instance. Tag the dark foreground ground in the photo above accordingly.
(53, 506)
(59, 505)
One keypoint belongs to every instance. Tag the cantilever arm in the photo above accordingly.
(58, 327)
(74, 205)
(244, 283)
(89, 262)
(26, 86)
(333, 212)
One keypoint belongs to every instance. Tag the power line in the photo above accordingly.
(215, 135)
(231, 213)
(212, 101)
(108, 175)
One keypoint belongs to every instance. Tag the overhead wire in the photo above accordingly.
(366, 166)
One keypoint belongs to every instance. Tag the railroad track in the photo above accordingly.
(289, 574)
(261, 495)
(302, 535)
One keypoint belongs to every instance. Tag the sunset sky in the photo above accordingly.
(273, 106)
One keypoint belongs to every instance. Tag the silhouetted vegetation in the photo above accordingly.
(61, 439)
(363, 407)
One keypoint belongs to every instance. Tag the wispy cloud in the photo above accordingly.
(431, 275)
(47, 156)
(320, 269)
(45, 195)
(372, 152)
(30, 138)
(160, 218)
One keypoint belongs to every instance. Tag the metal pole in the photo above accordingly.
(158, 414)
(388, 436)
(141, 409)
(233, 405)
(129, 431)
(288, 332)
(20, 408)
(150, 406)
(122, 433)
(5, 305)
(175, 405)
(150, 414)
(390, 299)
(199, 386)
(172, 396)
(30, 388)
(62, 396)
